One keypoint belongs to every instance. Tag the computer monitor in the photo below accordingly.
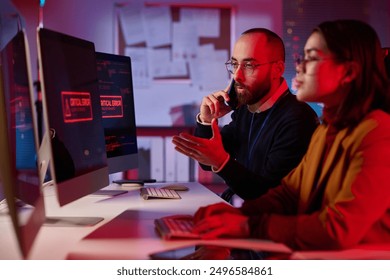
(72, 114)
(117, 103)
(20, 176)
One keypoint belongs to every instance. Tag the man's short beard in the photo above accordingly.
(250, 98)
(260, 93)
(253, 98)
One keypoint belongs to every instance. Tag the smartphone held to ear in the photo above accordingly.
(233, 100)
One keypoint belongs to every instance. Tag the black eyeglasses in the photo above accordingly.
(247, 67)
(302, 62)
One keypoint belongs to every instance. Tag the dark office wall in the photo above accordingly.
(301, 16)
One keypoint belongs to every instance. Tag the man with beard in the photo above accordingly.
(269, 130)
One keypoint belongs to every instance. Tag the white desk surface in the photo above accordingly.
(127, 231)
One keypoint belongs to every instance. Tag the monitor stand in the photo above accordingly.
(134, 181)
(72, 221)
(109, 192)
(59, 221)
(124, 182)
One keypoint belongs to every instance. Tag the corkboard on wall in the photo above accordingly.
(222, 42)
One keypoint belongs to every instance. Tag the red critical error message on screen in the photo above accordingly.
(76, 106)
(112, 106)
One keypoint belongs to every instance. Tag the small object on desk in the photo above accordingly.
(176, 187)
(134, 181)
(149, 192)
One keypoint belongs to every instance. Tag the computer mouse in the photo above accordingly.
(176, 187)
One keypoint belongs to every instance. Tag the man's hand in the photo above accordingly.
(214, 106)
(209, 152)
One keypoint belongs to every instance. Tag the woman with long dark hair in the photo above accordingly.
(339, 195)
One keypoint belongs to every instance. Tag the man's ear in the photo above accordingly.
(277, 69)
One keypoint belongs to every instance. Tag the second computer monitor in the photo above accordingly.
(72, 114)
(117, 103)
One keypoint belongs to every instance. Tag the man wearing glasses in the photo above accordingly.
(269, 130)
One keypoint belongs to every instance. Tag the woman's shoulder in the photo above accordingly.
(380, 117)
(375, 126)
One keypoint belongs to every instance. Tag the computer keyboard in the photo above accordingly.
(150, 192)
(178, 226)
